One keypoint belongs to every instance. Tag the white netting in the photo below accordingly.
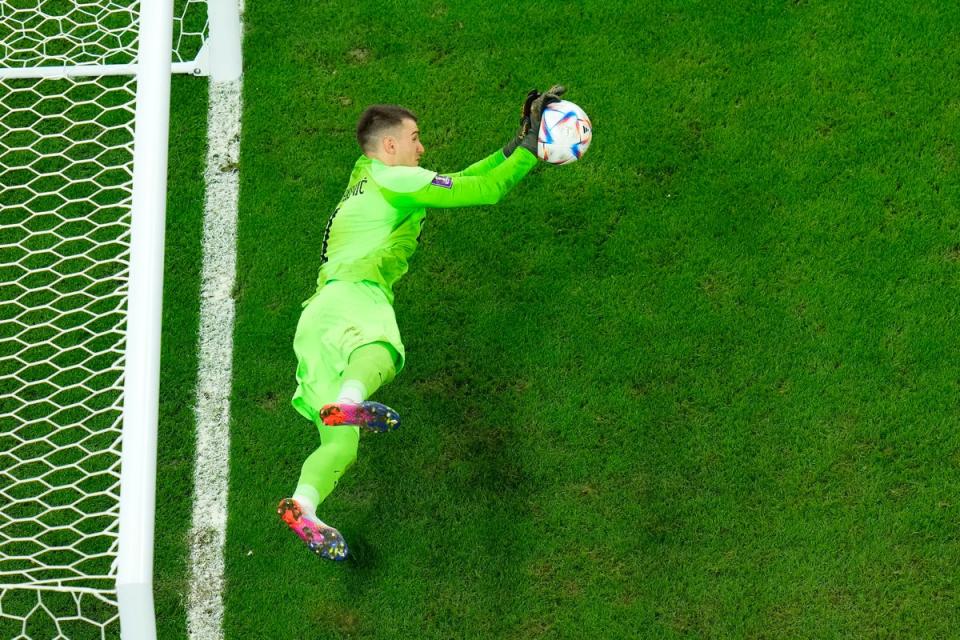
(36, 615)
(65, 194)
(37, 33)
(190, 29)
(66, 166)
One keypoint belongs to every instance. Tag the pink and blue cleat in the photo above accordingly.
(372, 416)
(323, 540)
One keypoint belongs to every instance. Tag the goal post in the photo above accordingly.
(141, 387)
(226, 59)
(84, 122)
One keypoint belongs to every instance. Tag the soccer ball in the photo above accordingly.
(565, 133)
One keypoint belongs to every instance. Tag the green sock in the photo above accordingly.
(322, 469)
(369, 368)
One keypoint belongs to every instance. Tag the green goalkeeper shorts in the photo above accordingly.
(340, 317)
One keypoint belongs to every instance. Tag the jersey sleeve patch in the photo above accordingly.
(442, 181)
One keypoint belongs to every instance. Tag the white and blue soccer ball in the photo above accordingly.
(565, 133)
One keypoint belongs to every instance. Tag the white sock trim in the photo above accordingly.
(307, 497)
(352, 391)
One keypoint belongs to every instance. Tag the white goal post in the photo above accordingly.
(84, 121)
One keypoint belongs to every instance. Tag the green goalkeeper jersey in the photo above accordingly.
(374, 230)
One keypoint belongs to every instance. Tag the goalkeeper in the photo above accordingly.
(347, 342)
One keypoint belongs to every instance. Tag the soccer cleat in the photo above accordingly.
(324, 541)
(372, 416)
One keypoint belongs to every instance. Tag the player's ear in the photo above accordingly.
(389, 144)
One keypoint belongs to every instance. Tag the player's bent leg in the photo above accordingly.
(320, 538)
(318, 477)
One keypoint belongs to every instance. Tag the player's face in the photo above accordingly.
(408, 146)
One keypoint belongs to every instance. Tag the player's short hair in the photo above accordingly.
(378, 118)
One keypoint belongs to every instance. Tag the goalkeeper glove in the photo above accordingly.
(511, 146)
(530, 116)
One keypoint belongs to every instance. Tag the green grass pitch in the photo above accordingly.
(701, 384)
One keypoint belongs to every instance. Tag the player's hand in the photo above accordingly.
(530, 116)
(511, 146)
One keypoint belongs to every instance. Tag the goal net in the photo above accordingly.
(69, 76)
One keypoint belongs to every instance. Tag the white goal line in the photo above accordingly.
(205, 609)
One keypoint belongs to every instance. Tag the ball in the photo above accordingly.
(565, 133)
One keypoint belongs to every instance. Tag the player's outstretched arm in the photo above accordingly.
(465, 191)
(487, 181)
(481, 167)
(530, 113)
